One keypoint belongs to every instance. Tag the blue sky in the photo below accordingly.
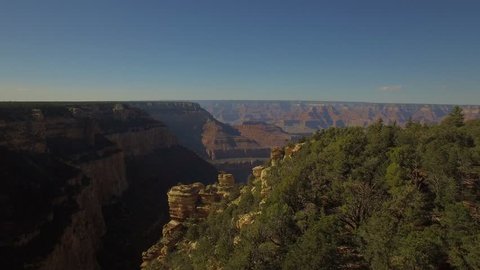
(422, 51)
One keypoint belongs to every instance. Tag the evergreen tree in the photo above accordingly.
(381, 197)
(455, 118)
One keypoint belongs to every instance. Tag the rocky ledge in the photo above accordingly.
(193, 203)
(187, 203)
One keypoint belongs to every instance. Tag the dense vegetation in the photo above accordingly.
(381, 197)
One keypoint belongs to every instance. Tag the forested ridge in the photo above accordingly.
(380, 197)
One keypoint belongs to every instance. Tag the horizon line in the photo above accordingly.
(229, 100)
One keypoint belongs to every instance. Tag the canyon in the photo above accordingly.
(306, 117)
(190, 205)
(83, 184)
(90, 185)
(235, 149)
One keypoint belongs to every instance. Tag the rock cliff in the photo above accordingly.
(190, 204)
(135, 221)
(222, 142)
(43, 200)
(66, 168)
(223, 145)
(266, 135)
(305, 117)
(187, 204)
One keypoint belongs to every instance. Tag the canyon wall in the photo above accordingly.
(135, 221)
(65, 170)
(305, 117)
(228, 148)
(265, 134)
(197, 130)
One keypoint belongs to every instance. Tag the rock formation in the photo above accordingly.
(192, 203)
(186, 203)
(278, 154)
(183, 200)
(52, 134)
(306, 117)
(223, 145)
(199, 131)
(63, 165)
(266, 135)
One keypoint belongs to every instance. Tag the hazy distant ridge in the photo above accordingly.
(308, 116)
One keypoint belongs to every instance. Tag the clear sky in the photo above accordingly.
(422, 51)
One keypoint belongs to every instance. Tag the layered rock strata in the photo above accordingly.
(306, 117)
(183, 200)
(267, 135)
(233, 149)
(194, 202)
(78, 152)
(199, 131)
(187, 203)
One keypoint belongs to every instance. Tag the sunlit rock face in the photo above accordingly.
(194, 200)
(182, 200)
(187, 203)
